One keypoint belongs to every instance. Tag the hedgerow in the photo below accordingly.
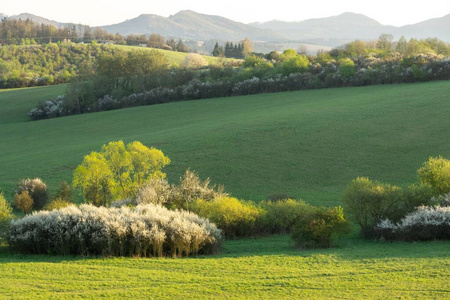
(425, 223)
(147, 230)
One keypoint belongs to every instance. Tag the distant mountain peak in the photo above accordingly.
(188, 24)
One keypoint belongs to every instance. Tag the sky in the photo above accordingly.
(106, 12)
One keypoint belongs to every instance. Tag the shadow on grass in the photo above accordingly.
(348, 248)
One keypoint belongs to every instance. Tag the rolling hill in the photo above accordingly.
(191, 25)
(307, 144)
(346, 27)
(323, 32)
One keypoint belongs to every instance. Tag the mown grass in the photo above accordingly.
(307, 144)
(261, 268)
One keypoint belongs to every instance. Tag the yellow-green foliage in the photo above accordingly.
(23, 201)
(347, 68)
(5, 209)
(118, 171)
(280, 216)
(58, 203)
(5, 216)
(436, 172)
(234, 217)
(94, 179)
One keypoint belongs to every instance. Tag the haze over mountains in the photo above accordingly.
(337, 30)
(331, 31)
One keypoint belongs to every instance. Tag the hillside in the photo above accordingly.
(346, 27)
(307, 144)
(36, 19)
(191, 25)
(437, 27)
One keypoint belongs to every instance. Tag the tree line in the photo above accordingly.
(27, 32)
(230, 50)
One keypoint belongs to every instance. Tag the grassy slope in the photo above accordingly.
(174, 58)
(263, 268)
(308, 144)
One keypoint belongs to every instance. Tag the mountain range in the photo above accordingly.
(188, 24)
(331, 31)
(346, 27)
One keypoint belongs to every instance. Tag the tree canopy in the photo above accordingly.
(117, 171)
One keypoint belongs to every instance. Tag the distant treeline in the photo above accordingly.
(230, 50)
(37, 65)
(121, 81)
(27, 32)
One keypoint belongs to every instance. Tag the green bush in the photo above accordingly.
(235, 217)
(369, 202)
(436, 173)
(24, 202)
(320, 227)
(5, 216)
(414, 196)
(37, 190)
(280, 216)
(64, 192)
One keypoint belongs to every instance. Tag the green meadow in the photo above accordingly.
(307, 144)
(261, 268)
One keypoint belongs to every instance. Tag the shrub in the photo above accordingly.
(280, 216)
(441, 200)
(156, 191)
(24, 202)
(414, 196)
(36, 189)
(194, 60)
(5, 215)
(425, 223)
(147, 230)
(64, 191)
(58, 203)
(123, 202)
(368, 202)
(192, 188)
(320, 227)
(236, 218)
(436, 173)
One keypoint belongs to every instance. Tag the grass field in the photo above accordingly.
(308, 144)
(173, 57)
(262, 268)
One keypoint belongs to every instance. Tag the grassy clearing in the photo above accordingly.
(174, 58)
(262, 268)
(308, 144)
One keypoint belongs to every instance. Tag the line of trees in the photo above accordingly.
(230, 50)
(26, 32)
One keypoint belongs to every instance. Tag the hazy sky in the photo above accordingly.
(105, 12)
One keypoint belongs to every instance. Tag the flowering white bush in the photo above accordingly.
(147, 230)
(425, 223)
(156, 191)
